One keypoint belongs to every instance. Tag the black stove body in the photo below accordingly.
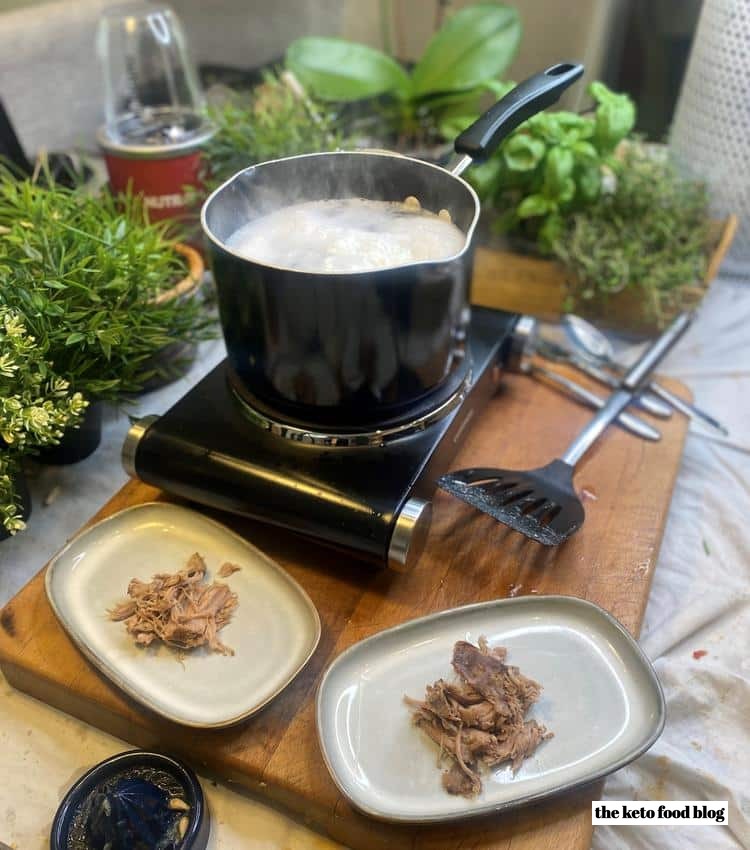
(366, 493)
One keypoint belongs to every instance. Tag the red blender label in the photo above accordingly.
(163, 182)
(165, 202)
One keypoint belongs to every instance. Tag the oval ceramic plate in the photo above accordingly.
(601, 699)
(273, 631)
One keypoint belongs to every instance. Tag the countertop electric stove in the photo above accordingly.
(366, 492)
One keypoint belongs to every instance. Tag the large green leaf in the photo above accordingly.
(333, 69)
(474, 45)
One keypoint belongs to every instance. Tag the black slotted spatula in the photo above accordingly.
(542, 503)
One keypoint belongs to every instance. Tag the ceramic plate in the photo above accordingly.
(601, 699)
(273, 631)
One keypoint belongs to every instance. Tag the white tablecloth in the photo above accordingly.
(700, 601)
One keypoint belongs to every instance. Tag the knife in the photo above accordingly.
(627, 420)
(630, 385)
(557, 353)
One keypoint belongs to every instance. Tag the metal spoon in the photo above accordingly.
(592, 343)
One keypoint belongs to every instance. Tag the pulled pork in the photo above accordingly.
(478, 720)
(179, 609)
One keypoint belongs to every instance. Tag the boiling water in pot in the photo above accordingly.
(348, 235)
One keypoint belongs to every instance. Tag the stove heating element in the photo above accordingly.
(368, 492)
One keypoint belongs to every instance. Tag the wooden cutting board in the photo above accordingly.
(469, 557)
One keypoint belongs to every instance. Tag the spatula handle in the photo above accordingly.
(636, 376)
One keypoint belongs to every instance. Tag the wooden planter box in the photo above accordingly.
(535, 286)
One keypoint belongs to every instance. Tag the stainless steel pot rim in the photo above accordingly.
(337, 275)
(354, 439)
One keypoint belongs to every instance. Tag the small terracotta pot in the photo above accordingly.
(175, 359)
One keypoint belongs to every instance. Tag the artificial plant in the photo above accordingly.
(36, 406)
(84, 271)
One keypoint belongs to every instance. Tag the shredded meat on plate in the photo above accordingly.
(180, 609)
(479, 719)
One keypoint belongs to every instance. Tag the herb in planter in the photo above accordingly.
(84, 273)
(650, 234)
(271, 121)
(551, 166)
(36, 406)
(459, 65)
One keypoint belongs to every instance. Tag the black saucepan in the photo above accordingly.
(364, 350)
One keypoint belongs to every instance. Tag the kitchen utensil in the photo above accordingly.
(591, 342)
(627, 420)
(136, 810)
(155, 121)
(542, 503)
(340, 351)
(387, 768)
(273, 631)
(557, 353)
(367, 493)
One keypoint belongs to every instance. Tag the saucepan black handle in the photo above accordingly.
(526, 99)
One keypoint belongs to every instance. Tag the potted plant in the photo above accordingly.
(15, 501)
(98, 287)
(412, 109)
(36, 407)
(274, 119)
(643, 252)
(593, 221)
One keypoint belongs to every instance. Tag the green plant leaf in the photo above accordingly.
(498, 87)
(334, 69)
(566, 192)
(484, 177)
(523, 152)
(32, 253)
(585, 152)
(615, 117)
(557, 170)
(589, 183)
(474, 45)
(450, 126)
(535, 205)
(551, 231)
